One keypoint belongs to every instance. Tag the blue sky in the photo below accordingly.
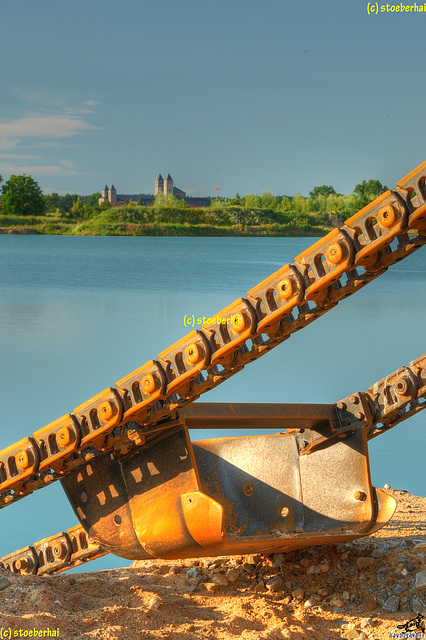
(273, 94)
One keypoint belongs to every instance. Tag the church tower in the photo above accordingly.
(104, 195)
(159, 184)
(168, 185)
(113, 195)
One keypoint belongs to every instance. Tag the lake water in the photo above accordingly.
(77, 314)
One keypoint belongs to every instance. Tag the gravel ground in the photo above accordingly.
(363, 589)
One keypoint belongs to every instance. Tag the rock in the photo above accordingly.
(4, 582)
(259, 587)
(298, 594)
(420, 583)
(344, 556)
(220, 580)
(314, 568)
(399, 589)
(369, 603)
(232, 575)
(381, 577)
(401, 559)
(252, 560)
(418, 606)
(410, 566)
(275, 584)
(155, 602)
(210, 586)
(175, 569)
(191, 588)
(193, 572)
(387, 487)
(346, 596)
(336, 601)
(309, 604)
(277, 560)
(218, 562)
(364, 561)
(248, 568)
(377, 553)
(391, 605)
(351, 634)
(366, 622)
(325, 568)
(289, 584)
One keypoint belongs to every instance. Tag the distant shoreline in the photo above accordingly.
(170, 230)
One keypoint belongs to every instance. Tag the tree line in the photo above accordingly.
(22, 196)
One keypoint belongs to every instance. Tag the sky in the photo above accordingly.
(248, 96)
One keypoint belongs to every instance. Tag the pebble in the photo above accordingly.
(364, 561)
(210, 586)
(275, 584)
(155, 602)
(277, 560)
(377, 553)
(351, 634)
(398, 589)
(259, 587)
(420, 584)
(346, 596)
(418, 605)
(193, 572)
(366, 622)
(369, 603)
(314, 568)
(175, 569)
(309, 604)
(298, 593)
(220, 580)
(401, 559)
(391, 605)
(4, 582)
(232, 575)
(191, 588)
(248, 568)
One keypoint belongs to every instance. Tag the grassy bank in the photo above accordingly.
(147, 221)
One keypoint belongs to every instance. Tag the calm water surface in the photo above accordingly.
(77, 314)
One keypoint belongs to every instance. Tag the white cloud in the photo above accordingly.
(17, 156)
(34, 169)
(43, 127)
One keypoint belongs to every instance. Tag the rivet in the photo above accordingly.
(360, 495)
(248, 489)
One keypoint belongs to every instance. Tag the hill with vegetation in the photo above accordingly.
(25, 210)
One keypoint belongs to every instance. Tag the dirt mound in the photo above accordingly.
(359, 590)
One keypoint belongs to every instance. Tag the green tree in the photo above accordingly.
(252, 201)
(299, 202)
(369, 188)
(366, 191)
(323, 190)
(22, 197)
(268, 200)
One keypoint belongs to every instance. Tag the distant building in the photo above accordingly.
(162, 185)
(167, 187)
